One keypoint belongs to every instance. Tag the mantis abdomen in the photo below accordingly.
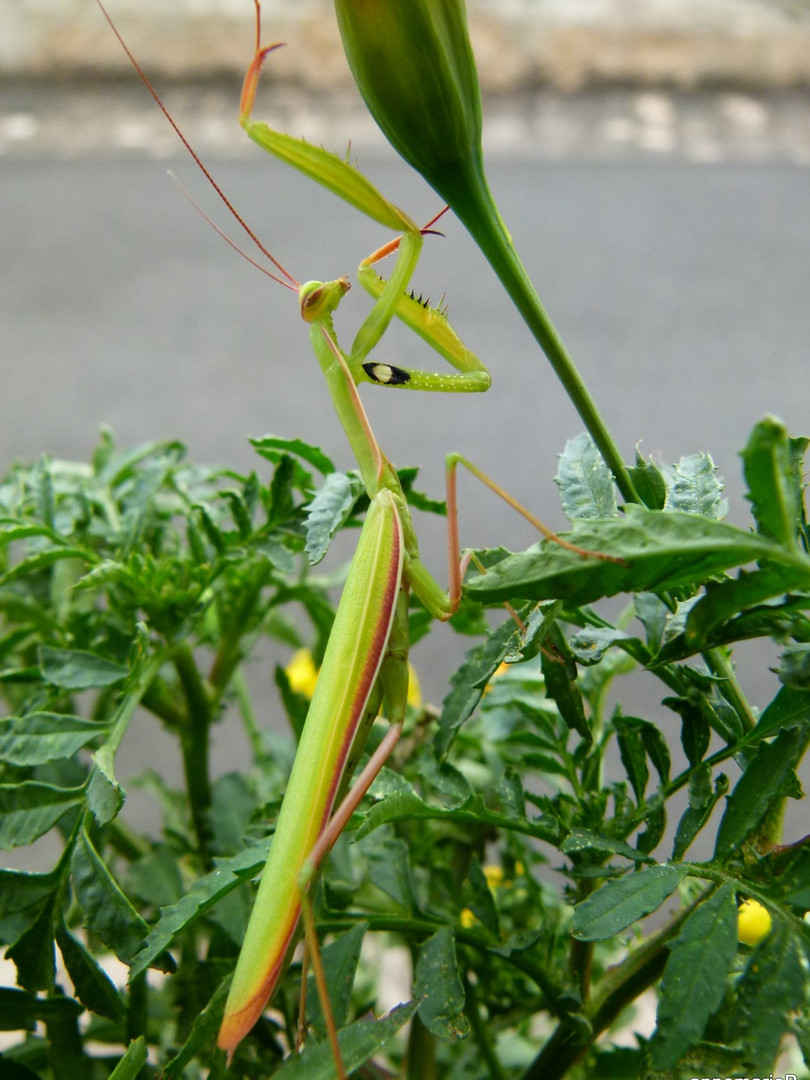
(356, 650)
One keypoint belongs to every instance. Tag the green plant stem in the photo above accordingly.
(482, 1033)
(245, 703)
(65, 1050)
(137, 1007)
(231, 651)
(718, 663)
(421, 1060)
(195, 741)
(573, 1037)
(473, 204)
(580, 957)
(158, 699)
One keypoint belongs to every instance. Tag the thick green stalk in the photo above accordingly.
(195, 744)
(474, 206)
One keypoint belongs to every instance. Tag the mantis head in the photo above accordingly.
(318, 299)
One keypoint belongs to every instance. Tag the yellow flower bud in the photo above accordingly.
(302, 673)
(467, 919)
(753, 922)
(413, 64)
(494, 876)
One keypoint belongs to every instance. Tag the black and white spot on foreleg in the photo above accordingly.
(387, 374)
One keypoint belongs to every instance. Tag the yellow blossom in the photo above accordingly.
(753, 922)
(494, 876)
(301, 673)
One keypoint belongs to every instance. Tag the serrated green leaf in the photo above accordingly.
(33, 953)
(793, 881)
(272, 448)
(203, 1032)
(771, 987)
(279, 556)
(76, 669)
(655, 819)
(589, 645)
(41, 560)
(632, 753)
(340, 958)
(618, 904)
(329, 510)
(585, 482)
(658, 550)
(232, 805)
(470, 681)
(22, 897)
(12, 529)
(418, 500)
(695, 731)
(560, 675)
(724, 601)
(130, 1065)
(105, 796)
(106, 910)
(93, 986)
(788, 708)
(211, 528)
(702, 800)
(239, 512)
(438, 986)
(794, 667)
(773, 486)
(480, 899)
(389, 867)
(39, 737)
(397, 801)
(648, 480)
(694, 981)
(657, 750)
(205, 892)
(585, 840)
(358, 1042)
(652, 613)
(764, 778)
(31, 809)
(693, 487)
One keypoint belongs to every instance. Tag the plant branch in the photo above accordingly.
(195, 742)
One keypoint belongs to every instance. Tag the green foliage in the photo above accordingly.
(176, 572)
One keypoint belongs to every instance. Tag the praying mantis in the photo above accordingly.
(365, 666)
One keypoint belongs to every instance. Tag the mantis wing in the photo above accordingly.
(357, 647)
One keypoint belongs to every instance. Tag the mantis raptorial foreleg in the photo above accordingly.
(365, 663)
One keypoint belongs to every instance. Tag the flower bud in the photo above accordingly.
(754, 922)
(413, 64)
